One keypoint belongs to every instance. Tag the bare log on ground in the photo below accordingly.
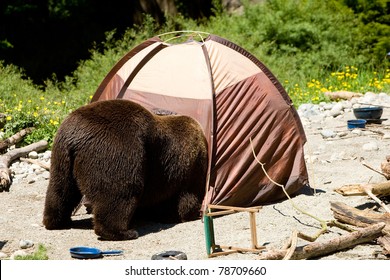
(318, 249)
(15, 138)
(347, 95)
(7, 158)
(361, 218)
(384, 241)
(379, 189)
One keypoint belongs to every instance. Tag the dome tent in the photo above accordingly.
(241, 106)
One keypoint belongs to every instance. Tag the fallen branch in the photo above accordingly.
(378, 189)
(7, 158)
(361, 218)
(15, 138)
(387, 176)
(318, 249)
(348, 95)
(37, 162)
(384, 241)
(368, 189)
(291, 245)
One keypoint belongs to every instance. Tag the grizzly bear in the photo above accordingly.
(122, 157)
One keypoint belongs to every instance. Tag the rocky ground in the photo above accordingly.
(333, 155)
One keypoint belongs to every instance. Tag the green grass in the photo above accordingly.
(39, 254)
(349, 78)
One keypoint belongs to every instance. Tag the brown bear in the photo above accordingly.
(122, 157)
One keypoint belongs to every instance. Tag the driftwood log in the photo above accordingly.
(379, 189)
(361, 218)
(15, 138)
(7, 158)
(348, 95)
(384, 241)
(318, 249)
(372, 190)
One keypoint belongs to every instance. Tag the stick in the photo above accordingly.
(368, 189)
(237, 209)
(317, 249)
(37, 162)
(291, 245)
(15, 138)
(6, 159)
(373, 169)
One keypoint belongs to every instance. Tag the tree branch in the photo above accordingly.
(6, 159)
(15, 138)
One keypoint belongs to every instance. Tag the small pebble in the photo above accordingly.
(336, 110)
(31, 179)
(327, 133)
(18, 253)
(357, 132)
(371, 146)
(386, 136)
(33, 155)
(24, 244)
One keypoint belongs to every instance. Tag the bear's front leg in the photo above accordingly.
(188, 207)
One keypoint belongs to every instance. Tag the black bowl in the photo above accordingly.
(368, 113)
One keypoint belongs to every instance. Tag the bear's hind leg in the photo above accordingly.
(62, 195)
(112, 219)
(59, 207)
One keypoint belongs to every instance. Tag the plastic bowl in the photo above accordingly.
(368, 113)
(359, 123)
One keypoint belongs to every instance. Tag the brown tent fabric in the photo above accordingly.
(237, 101)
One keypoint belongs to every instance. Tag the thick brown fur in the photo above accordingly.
(122, 158)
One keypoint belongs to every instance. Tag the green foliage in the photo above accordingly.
(27, 105)
(304, 38)
(375, 30)
(40, 254)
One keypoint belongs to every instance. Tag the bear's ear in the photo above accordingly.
(162, 112)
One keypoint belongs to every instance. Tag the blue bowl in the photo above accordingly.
(359, 123)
